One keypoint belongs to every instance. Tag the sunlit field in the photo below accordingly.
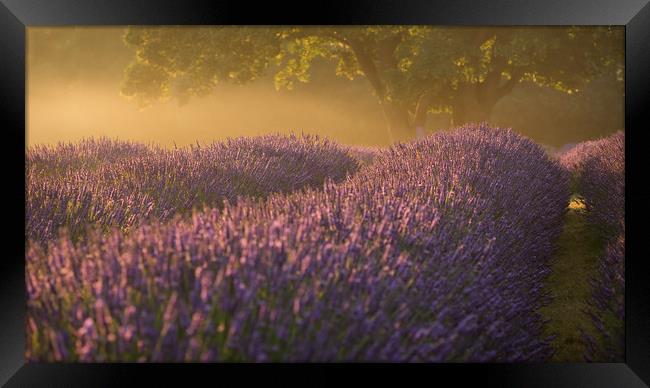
(195, 202)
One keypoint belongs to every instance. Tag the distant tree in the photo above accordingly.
(555, 118)
(413, 70)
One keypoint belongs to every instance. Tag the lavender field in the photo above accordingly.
(599, 172)
(296, 248)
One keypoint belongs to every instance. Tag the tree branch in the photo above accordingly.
(386, 50)
(362, 56)
(421, 109)
(368, 67)
(506, 88)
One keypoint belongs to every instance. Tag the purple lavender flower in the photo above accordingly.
(436, 251)
(599, 173)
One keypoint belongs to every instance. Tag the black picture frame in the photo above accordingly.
(16, 15)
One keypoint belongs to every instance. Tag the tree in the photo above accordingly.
(413, 70)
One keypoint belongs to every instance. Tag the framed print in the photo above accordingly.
(390, 190)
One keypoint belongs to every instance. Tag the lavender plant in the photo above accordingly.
(437, 251)
(609, 302)
(599, 170)
(104, 184)
(365, 155)
(88, 153)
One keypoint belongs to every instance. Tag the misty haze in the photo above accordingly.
(75, 74)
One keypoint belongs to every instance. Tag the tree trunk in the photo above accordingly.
(464, 113)
(473, 104)
(399, 126)
(420, 117)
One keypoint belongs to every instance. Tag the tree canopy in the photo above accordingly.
(413, 70)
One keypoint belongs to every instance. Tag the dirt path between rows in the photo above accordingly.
(574, 264)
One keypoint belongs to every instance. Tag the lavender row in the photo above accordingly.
(437, 251)
(87, 153)
(599, 168)
(599, 172)
(365, 155)
(609, 300)
(105, 184)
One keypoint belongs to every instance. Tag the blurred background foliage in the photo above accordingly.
(357, 85)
